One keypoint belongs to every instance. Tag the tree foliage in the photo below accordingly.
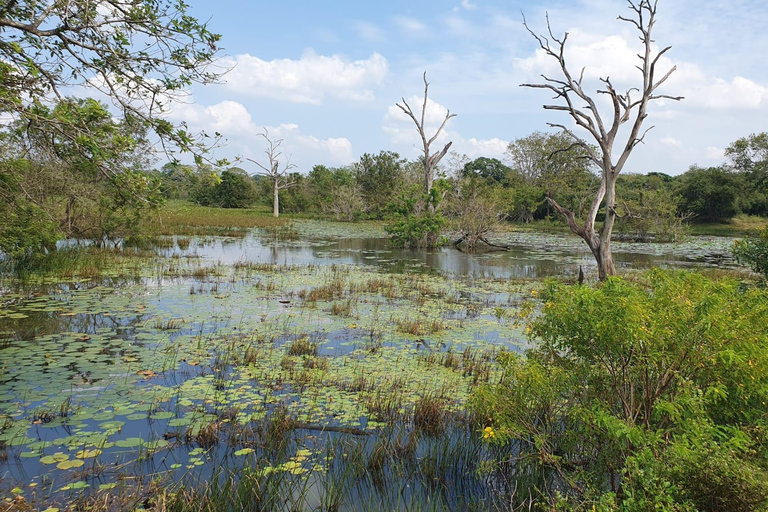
(55, 168)
(139, 53)
(753, 251)
(709, 193)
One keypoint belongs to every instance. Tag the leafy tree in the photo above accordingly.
(487, 168)
(140, 53)
(650, 208)
(178, 180)
(749, 156)
(378, 177)
(236, 189)
(630, 107)
(323, 182)
(552, 163)
(709, 193)
(56, 171)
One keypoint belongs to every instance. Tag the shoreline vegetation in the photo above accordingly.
(304, 387)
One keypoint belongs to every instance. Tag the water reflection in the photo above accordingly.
(530, 255)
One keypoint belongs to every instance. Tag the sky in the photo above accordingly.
(325, 76)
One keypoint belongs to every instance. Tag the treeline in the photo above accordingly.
(538, 166)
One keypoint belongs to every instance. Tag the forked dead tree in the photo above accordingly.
(430, 160)
(630, 107)
(275, 171)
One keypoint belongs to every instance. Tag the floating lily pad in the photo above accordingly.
(70, 464)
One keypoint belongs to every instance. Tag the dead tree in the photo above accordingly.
(630, 107)
(430, 160)
(275, 171)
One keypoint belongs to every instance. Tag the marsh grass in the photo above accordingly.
(303, 346)
(186, 219)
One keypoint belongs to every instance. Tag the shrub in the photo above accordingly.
(652, 392)
(753, 252)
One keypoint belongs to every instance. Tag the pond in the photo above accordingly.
(179, 363)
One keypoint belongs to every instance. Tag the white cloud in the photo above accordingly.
(369, 31)
(236, 124)
(474, 148)
(612, 56)
(715, 154)
(402, 132)
(411, 26)
(309, 79)
(337, 151)
(671, 142)
(467, 6)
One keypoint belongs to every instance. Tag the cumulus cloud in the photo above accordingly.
(236, 124)
(671, 142)
(401, 131)
(715, 154)
(613, 56)
(309, 79)
(337, 151)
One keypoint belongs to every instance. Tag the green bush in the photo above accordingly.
(653, 393)
(417, 231)
(753, 252)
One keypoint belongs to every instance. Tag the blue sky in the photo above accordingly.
(325, 76)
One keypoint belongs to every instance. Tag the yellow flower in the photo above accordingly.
(488, 433)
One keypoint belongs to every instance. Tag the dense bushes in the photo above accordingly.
(753, 251)
(233, 189)
(639, 397)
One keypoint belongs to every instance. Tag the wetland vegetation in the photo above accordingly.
(277, 365)
(165, 345)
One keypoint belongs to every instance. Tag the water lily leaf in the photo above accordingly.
(244, 451)
(129, 442)
(70, 464)
(54, 459)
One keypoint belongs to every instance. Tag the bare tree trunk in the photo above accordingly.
(430, 160)
(276, 199)
(626, 108)
(275, 171)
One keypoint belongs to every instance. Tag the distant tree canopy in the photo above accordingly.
(710, 193)
(233, 188)
(488, 168)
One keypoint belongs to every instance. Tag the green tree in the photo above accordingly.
(76, 168)
(709, 193)
(140, 53)
(236, 189)
(753, 251)
(650, 208)
(487, 168)
(749, 156)
(552, 163)
(378, 177)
